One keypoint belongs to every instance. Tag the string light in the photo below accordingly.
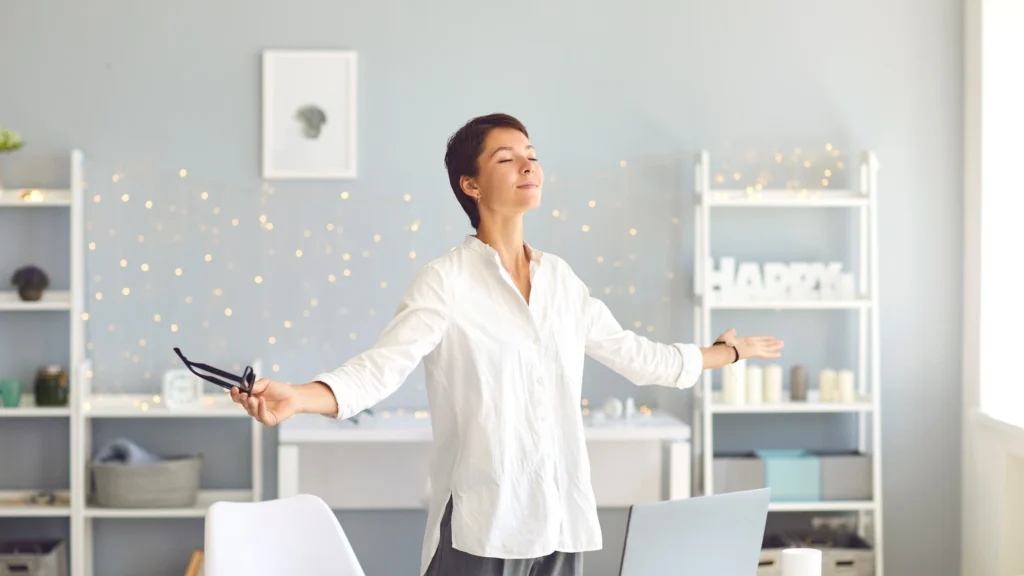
(177, 271)
(585, 228)
(555, 212)
(344, 195)
(259, 279)
(149, 204)
(182, 173)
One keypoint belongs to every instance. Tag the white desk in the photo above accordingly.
(381, 463)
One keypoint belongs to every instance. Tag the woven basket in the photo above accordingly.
(170, 483)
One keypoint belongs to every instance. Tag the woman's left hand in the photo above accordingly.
(752, 346)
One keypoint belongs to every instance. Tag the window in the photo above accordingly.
(1002, 212)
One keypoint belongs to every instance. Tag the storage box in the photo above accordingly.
(792, 475)
(845, 476)
(770, 562)
(34, 558)
(738, 472)
(842, 554)
(169, 483)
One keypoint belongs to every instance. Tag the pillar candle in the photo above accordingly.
(801, 562)
(734, 385)
(755, 384)
(846, 391)
(798, 383)
(827, 385)
(773, 384)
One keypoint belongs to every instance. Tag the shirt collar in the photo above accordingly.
(475, 244)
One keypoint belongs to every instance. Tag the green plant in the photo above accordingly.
(9, 140)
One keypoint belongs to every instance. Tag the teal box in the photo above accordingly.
(792, 475)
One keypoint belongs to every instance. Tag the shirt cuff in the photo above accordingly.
(693, 365)
(335, 383)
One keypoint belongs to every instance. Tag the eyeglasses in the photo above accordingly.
(244, 382)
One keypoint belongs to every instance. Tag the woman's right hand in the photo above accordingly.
(271, 402)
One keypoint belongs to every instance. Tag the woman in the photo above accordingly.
(502, 330)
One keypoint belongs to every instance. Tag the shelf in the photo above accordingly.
(51, 300)
(787, 198)
(855, 304)
(28, 409)
(152, 406)
(43, 199)
(14, 504)
(203, 501)
(789, 407)
(414, 426)
(826, 506)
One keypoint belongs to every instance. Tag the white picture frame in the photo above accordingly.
(309, 114)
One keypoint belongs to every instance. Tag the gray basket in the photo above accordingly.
(34, 558)
(170, 483)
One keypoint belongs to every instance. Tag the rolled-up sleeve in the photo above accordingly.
(414, 331)
(638, 359)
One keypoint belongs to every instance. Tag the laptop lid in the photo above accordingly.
(718, 535)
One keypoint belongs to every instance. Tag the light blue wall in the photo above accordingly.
(149, 88)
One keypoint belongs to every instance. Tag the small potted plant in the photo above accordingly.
(31, 282)
(9, 142)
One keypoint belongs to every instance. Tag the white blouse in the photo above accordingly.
(503, 380)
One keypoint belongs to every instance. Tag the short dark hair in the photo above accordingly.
(464, 149)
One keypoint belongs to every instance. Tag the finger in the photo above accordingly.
(246, 401)
(264, 416)
(260, 385)
(254, 405)
(234, 394)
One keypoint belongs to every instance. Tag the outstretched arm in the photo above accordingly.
(644, 362)
(416, 328)
(413, 332)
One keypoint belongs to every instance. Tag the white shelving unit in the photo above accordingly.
(147, 406)
(84, 407)
(867, 408)
(14, 503)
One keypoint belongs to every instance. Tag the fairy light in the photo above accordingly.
(115, 178)
(632, 289)
(555, 212)
(412, 255)
(149, 204)
(344, 195)
(174, 327)
(828, 146)
(383, 284)
(258, 279)
(347, 272)
(632, 231)
(330, 226)
(600, 259)
(124, 197)
(272, 340)
(622, 163)
(205, 195)
(269, 226)
(276, 368)
(298, 253)
(216, 211)
(182, 173)
(227, 311)
(208, 257)
(352, 336)
(218, 292)
(96, 198)
(415, 226)
(585, 228)
(346, 256)
(234, 221)
(331, 278)
(307, 233)
(126, 291)
(85, 316)
(376, 238)
(124, 263)
(156, 317)
(592, 203)
(407, 197)
(828, 173)
(142, 342)
(92, 245)
(177, 271)
(99, 295)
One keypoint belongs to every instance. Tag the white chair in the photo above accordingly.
(295, 535)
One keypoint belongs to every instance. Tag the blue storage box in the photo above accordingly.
(792, 475)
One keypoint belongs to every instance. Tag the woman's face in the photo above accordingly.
(509, 177)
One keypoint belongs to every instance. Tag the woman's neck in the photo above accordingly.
(505, 236)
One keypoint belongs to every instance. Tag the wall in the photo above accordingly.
(147, 89)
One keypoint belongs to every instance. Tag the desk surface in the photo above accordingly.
(414, 426)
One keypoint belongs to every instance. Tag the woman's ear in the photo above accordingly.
(469, 187)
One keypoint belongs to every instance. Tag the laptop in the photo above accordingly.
(718, 535)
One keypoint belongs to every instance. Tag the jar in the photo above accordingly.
(51, 386)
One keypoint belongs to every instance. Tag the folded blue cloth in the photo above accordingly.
(124, 451)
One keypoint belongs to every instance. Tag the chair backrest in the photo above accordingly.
(295, 535)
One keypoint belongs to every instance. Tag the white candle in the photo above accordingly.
(734, 385)
(827, 385)
(847, 391)
(801, 562)
(773, 384)
(755, 384)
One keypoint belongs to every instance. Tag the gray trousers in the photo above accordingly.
(448, 561)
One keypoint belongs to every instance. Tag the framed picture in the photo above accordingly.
(309, 114)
